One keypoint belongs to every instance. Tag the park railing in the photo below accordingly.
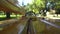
(51, 24)
(51, 27)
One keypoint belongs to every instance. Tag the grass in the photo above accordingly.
(3, 17)
(54, 18)
(57, 17)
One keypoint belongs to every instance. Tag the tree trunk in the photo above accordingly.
(57, 15)
(8, 15)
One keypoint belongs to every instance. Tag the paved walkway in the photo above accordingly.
(14, 26)
(18, 26)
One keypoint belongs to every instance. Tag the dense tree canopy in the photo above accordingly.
(36, 5)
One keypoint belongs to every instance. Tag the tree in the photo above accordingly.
(57, 7)
(57, 12)
(37, 5)
(8, 15)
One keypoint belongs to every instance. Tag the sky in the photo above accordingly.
(25, 2)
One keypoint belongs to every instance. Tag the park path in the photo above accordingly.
(13, 26)
(18, 26)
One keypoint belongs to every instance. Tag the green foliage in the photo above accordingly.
(39, 4)
(58, 5)
(36, 5)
